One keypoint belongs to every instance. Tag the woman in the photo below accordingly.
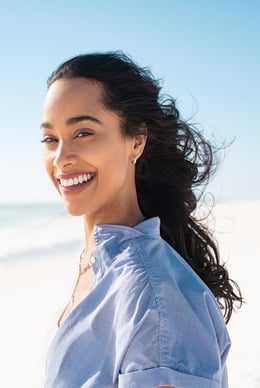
(141, 313)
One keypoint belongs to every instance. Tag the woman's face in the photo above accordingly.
(86, 156)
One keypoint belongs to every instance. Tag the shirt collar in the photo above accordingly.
(104, 232)
(108, 239)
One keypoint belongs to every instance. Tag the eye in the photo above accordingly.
(48, 139)
(84, 133)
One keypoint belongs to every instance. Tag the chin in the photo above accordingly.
(72, 209)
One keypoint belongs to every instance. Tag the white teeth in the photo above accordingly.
(76, 180)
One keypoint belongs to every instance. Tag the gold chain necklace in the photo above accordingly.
(82, 270)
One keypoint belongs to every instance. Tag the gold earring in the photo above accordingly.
(135, 160)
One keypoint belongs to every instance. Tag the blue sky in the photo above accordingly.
(206, 52)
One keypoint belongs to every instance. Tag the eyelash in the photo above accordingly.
(49, 139)
(84, 134)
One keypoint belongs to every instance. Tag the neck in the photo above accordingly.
(128, 217)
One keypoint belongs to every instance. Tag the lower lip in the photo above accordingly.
(75, 189)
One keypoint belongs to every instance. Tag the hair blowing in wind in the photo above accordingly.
(176, 159)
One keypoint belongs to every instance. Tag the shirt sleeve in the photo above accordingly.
(173, 331)
(155, 377)
(168, 351)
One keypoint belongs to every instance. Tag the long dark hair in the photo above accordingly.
(176, 159)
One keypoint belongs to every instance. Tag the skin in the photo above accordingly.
(90, 146)
(81, 136)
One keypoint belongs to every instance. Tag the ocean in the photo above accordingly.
(27, 230)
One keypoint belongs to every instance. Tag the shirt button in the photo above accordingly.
(93, 259)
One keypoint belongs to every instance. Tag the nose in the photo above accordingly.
(64, 156)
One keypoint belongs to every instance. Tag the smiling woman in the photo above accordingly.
(144, 310)
(84, 142)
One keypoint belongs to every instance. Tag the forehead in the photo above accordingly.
(68, 98)
(74, 91)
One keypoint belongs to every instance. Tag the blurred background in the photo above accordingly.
(207, 55)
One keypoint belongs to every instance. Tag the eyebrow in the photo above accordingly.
(73, 120)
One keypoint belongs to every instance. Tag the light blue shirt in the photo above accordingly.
(147, 321)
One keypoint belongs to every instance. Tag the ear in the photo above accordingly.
(138, 147)
(140, 141)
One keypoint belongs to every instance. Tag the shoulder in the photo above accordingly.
(182, 299)
(162, 314)
(153, 268)
(180, 323)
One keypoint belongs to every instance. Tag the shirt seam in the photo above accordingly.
(156, 298)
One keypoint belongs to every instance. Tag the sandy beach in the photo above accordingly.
(35, 287)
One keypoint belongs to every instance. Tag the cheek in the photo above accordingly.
(48, 163)
(116, 167)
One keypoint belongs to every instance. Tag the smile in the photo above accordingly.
(76, 180)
